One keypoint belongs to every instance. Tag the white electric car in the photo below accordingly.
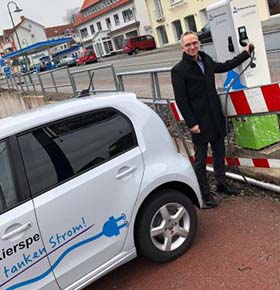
(85, 185)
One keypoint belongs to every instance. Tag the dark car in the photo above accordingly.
(135, 44)
(204, 35)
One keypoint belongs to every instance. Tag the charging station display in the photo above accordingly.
(233, 24)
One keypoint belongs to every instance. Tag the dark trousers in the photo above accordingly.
(218, 149)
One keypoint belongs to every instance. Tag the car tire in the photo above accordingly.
(159, 235)
(137, 50)
(129, 53)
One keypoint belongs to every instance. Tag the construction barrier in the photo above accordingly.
(254, 103)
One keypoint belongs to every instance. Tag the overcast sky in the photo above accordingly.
(46, 12)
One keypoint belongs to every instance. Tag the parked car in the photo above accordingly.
(204, 35)
(86, 185)
(88, 56)
(135, 44)
(67, 61)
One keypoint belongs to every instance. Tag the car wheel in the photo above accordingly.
(136, 51)
(129, 53)
(166, 226)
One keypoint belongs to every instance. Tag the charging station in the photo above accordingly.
(233, 24)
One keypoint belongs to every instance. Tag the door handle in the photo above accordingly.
(125, 171)
(17, 231)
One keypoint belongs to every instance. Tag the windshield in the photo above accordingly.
(89, 52)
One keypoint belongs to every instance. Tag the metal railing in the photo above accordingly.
(44, 82)
(154, 80)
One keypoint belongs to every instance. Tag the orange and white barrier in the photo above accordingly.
(265, 99)
(249, 162)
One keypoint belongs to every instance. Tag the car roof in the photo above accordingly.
(48, 113)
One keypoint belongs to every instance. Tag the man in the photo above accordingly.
(193, 80)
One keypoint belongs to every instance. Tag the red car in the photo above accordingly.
(88, 56)
(135, 44)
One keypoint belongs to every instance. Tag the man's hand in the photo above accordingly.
(195, 129)
(249, 48)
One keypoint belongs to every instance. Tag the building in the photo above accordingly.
(65, 49)
(28, 31)
(104, 24)
(56, 32)
(170, 18)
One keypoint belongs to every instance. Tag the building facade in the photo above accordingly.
(65, 49)
(29, 32)
(170, 18)
(104, 24)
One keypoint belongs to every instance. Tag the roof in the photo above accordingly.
(36, 117)
(37, 47)
(55, 31)
(88, 3)
(22, 19)
(81, 19)
(68, 50)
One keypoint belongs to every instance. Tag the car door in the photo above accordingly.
(92, 169)
(24, 263)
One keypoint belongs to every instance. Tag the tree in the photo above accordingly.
(71, 15)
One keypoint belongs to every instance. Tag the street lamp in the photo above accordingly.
(14, 28)
(24, 42)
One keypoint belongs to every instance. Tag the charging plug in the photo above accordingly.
(111, 227)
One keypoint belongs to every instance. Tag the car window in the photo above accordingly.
(149, 37)
(136, 39)
(59, 151)
(8, 197)
(89, 53)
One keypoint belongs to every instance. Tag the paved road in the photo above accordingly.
(140, 85)
(237, 248)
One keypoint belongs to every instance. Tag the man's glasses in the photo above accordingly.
(195, 43)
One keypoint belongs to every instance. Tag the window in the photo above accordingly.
(84, 32)
(59, 151)
(133, 33)
(99, 26)
(118, 41)
(274, 7)
(92, 30)
(108, 46)
(159, 10)
(116, 19)
(8, 197)
(127, 15)
(177, 27)
(108, 23)
(190, 23)
(162, 35)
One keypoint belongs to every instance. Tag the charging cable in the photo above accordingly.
(252, 65)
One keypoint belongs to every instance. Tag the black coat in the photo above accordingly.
(196, 95)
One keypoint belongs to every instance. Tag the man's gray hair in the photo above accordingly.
(187, 33)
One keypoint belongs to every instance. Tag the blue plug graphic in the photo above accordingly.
(111, 227)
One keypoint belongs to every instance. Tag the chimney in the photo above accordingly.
(22, 18)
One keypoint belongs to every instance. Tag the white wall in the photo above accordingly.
(30, 33)
(102, 18)
(142, 15)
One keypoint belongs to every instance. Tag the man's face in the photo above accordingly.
(190, 45)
